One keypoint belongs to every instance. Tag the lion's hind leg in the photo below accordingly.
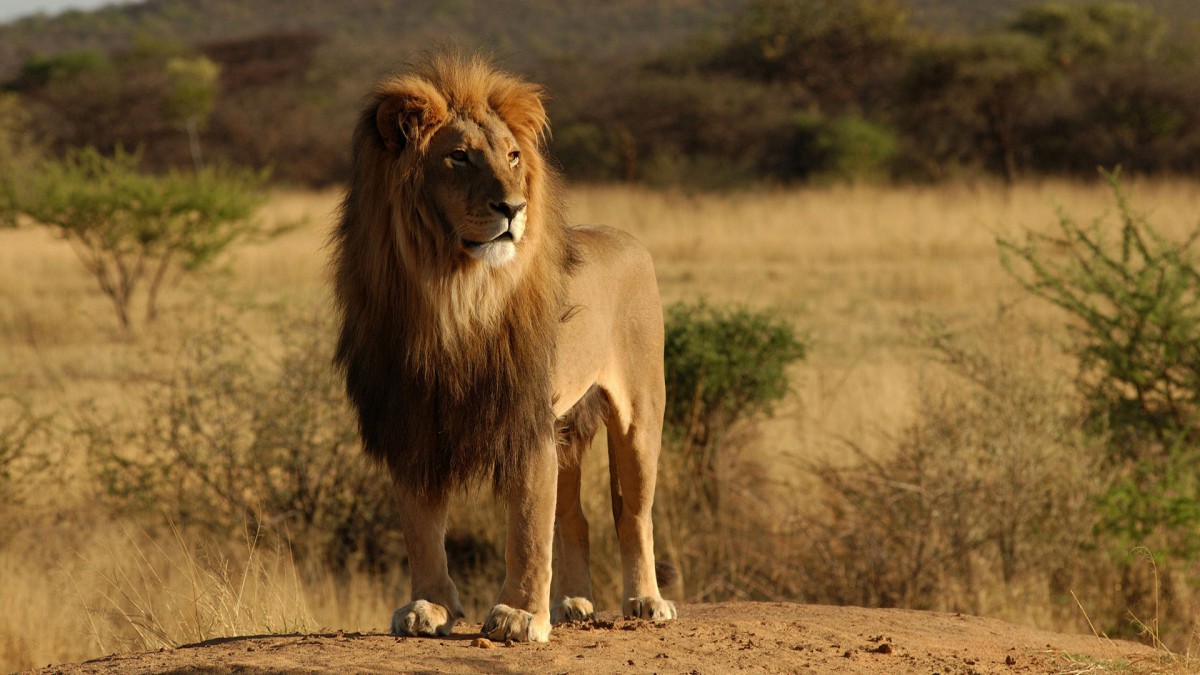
(572, 572)
(633, 447)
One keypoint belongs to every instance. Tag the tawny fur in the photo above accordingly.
(448, 362)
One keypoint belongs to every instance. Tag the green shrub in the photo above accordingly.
(724, 366)
(848, 148)
(1133, 298)
(1134, 302)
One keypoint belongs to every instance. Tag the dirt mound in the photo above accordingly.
(717, 638)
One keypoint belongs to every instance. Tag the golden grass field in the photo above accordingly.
(852, 266)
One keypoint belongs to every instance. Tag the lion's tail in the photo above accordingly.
(665, 573)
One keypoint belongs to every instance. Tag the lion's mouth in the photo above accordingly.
(503, 236)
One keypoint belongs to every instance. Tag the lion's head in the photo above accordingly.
(466, 174)
(449, 270)
(476, 150)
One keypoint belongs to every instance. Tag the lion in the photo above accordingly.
(482, 339)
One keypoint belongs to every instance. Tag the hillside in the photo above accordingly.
(708, 93)
(379, 32)
(527, 30)
(955, 15)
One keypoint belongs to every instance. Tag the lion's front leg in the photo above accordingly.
(523, 610)
(434, 608)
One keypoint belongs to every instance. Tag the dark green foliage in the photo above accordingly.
(712, 93)
(61, 68)
(964, 101)
(724, 367)
(842, 52)
(724, 364)
(1096, 32)
(849, 148)
(1147, 115)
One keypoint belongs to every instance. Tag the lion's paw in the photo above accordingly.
(507, 623)
(573, 609)
(650, 607)
(421, 617)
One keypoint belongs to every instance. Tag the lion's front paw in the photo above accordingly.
(574, 609)
(650, 607)
(507, 623)
(422, 617)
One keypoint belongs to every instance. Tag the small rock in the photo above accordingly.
(1010, 661)
(884, 648)
(483, 643)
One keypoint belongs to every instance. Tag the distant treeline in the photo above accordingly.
(784, 91)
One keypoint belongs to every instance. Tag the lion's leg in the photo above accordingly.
(434, 608)
(523, 610)
(573, 600)
(633, 446)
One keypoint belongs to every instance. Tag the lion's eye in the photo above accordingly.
(514, 158)
(459, 156)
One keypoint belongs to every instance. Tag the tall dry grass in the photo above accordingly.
(853, 266)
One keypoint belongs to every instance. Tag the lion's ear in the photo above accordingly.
(409, 114)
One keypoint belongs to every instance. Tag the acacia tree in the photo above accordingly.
(965, 98)
(191, 97)
(843, 53)
(131, 229)
(1094, 32)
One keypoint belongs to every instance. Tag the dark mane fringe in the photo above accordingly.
(446, 404)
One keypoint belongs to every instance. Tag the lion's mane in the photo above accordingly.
(448, 362)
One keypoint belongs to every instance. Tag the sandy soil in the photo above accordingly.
(717, 638)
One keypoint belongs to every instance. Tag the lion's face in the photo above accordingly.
(467, 151)
(475, 177)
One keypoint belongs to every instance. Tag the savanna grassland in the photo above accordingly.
(895, 287)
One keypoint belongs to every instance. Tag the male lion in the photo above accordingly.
(483, 338)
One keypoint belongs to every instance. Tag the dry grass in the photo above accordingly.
(853, 266)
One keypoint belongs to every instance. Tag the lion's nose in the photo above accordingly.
(507, 209)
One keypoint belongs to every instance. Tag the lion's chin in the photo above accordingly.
(496, 253)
